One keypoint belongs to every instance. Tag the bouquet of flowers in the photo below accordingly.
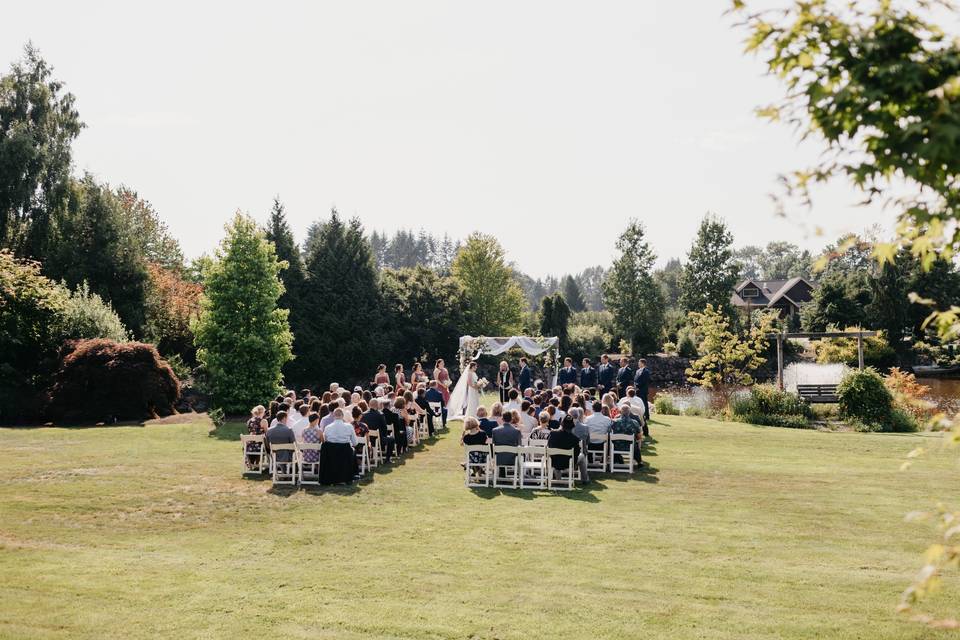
(482, 383)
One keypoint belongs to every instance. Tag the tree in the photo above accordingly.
(668, 279)
(631, 294)
(38, 123)
(590, 281)
(87, 316)
(494, 299)
(278, 232)
(243, 339)
(777, 261)
(172, 305)
(727, 358)
(841, 300)
(711, 271)
(156, 244)
(572, 295)
(555, 319)
(877, 84)
(424, 314)
(889, 308)
(341, 326)
(94, 242)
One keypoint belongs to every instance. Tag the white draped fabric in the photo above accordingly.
(496, 346)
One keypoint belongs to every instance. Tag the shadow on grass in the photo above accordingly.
(581, 493)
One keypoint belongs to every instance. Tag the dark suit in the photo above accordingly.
(526, 378)
(376, 422)
(606, 374)
(506, 435)
(434, 395)
(487, 426)
(281, 434)
(624, 378)
(642, 385)
(568, 375)
(588, 378)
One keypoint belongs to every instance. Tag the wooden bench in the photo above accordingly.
(818, 393)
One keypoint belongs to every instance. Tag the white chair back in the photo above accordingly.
(284, 472)
(626, 463)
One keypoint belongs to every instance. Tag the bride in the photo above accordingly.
(465, 397)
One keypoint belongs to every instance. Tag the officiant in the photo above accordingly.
(504, 381)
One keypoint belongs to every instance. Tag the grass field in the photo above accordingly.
(733, 531)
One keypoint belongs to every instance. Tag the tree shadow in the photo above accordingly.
(230, 430)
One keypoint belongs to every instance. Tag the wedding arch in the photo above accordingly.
(473, 347)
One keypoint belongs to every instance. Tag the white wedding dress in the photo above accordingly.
(465, 397)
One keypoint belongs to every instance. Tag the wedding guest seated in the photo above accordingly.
(280, 433)
(332, 406)
(598, 424)
(563, 438)
(256, 426)
(312, 435)
(300, 422)
(506, 435)
(551, 413)
(528, 421)
(496, 413)
(338, 460)
(611, 405)
(376, 421)
(580, 428)
(486, 424)
(473, 435)
(542, 432)
(435, 395)
(425, 409)
(629, 424)
(514, 400)
(393, 413)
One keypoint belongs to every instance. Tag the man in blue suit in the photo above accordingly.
(567, 375)
(624, 377)
(433, 395)
(641, 383)
(588, 375)
(525, 379)
(606, 374)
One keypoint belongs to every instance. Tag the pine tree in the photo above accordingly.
(278, 232)
(572, 295)
(711, 270)
(495, 301)
(555, 319)
(243, 339)
(631, 294)
(341, 324)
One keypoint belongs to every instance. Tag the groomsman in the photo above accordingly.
(641, 383)
(525, 379)
(606, 374)
(588, 375)
(624, 377)
(567, 375)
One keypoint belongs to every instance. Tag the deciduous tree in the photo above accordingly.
(631, 294)
(494, 299)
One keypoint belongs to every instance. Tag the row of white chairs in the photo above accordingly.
(369, 455)
(533, 468)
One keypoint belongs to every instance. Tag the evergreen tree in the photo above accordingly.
(242, 337)
(340, 328)
(590, 281)
(96, 243)
(494, 299)
(38, 123)
(711, 270)
(278, 232)
(555, 319)
(572, 295)
(668, 279)
(631, 294)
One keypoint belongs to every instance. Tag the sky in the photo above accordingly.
(549, 124)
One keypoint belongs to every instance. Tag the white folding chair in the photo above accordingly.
(413, 433)
(363, 455)
(597, 458)
(423, 429)
(259, 458)
(309, 472)
(374, 453)
(437, 409)
(477, 473)
(626, 465)
(284, 472)
(511, 472)
(533, 466)
(567, 475)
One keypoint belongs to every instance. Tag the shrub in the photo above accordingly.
(87, 316)
(902, 421)
(865, 400)
(686, 348)
(669, 347)
(877, 352)
(663, 404)
(909, 395)
(104, 380)
(767, 405)
(587, 341)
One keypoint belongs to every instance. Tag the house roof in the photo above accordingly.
(771, 292)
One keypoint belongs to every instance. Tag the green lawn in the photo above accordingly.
(733, 531)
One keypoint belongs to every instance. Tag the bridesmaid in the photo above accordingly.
(441, 375)
(400, 379)
(382, 377)
(417, 376)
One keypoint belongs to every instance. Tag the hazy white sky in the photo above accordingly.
(546, 123)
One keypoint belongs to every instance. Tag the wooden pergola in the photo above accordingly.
(780, 337)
